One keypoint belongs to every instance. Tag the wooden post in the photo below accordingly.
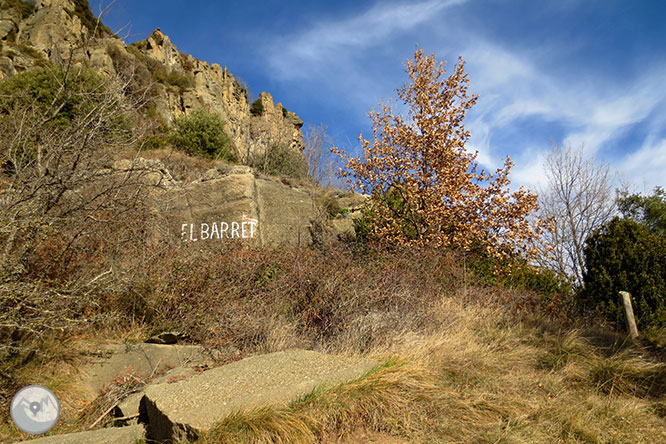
(629, 315)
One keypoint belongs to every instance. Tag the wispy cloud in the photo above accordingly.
(589, 115)
(328, 41)
(347, 56)
(645, 168)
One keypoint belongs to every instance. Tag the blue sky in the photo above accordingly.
(588, 73)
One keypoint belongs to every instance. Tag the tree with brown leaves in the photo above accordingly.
(425, 186)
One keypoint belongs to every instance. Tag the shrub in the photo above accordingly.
(138, 79)
(625, 256)
(281, 160)
(202, 132)
(257, 108)
(181, 81)
(516, 273)
(41, 88)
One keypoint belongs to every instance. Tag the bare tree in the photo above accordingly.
(321, 161)
(60, 126)
(578, 199)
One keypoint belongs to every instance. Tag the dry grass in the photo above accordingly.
(377, 400)
(486, 377)
(479, 364)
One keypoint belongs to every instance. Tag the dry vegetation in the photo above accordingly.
(477, 364)
(469, 355)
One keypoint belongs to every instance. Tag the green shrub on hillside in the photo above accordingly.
(516, 273)
(41, 88)
(202, 132)
(625, 255)
(281, 160)
(257, 108)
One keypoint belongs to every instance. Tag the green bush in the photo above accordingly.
(517, 273)
(202, 132)
(281, 160)
(625, 255)
(41, 88)
(257, 108)
(181, 81)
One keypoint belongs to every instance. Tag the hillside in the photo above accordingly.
(172, 272)
(53, 29)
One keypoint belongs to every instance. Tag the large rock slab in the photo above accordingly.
(185, 409)
(237, 207)
(113, 435)
(145, 359)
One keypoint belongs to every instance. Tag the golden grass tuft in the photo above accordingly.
(374, 401)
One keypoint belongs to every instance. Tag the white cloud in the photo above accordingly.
(329, 41)
(348, 58)
(646, 167)
(590, 115)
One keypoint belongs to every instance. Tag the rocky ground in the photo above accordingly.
(190, 397)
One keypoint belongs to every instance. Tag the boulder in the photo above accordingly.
(185, 409)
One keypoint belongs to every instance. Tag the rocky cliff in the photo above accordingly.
(227, 202)
(32, 33)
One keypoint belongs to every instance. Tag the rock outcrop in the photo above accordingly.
(234, 205)
(180, 83)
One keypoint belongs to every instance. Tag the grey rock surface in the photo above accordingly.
(283, 214)
(186, 408)
(142, 358)
(113, 435)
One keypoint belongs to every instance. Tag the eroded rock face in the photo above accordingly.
(52, 27)
(55, 29)
(216, 89)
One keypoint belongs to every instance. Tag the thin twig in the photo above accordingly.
(104, 414)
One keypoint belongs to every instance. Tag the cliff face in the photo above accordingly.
(216, 89)
(54, 29)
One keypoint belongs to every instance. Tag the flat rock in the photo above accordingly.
(186, 408)
(130, 405)
(113, 435)
(145, 359)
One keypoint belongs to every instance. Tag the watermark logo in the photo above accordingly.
(35, 409)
